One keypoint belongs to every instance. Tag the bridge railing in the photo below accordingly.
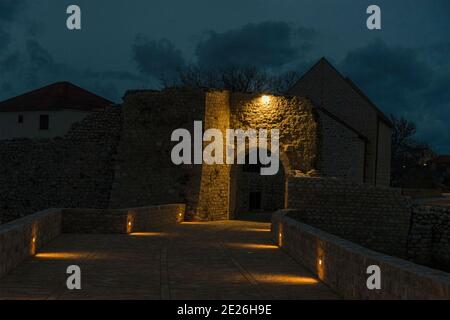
(344, 265)
(23, 238)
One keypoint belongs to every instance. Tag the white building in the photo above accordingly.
(47, 112)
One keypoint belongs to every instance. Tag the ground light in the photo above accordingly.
(254, 246)
(286, 279)
(321, 265)
(148, 234)
(256, 230)
(61, 255)
(33, 246)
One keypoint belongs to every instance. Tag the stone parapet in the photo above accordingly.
(342, 264)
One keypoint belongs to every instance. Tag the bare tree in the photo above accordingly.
(237, 78)
(196, 77)
(407, 152)
(283, 82)
(234, 78)
(244, 79)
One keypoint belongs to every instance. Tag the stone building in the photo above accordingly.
(47, 112)
(342, 100)
(327, 128)
(120, 157)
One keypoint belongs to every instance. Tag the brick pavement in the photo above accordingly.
(215, 260)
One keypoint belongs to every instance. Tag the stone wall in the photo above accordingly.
(383, 177)
(214, 197)
(294, 117)
(342, 265)
(24, 237)
(144, 172)
(326, 87)
(341, 150)
(105, 221)
(74, 171)
(377, 218)
(429, 239)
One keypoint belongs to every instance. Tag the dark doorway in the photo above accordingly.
(255, 201)
(253, 194)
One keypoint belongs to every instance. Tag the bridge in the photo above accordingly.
(203, 260)
(153, 253)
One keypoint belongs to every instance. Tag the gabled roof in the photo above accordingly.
(356, 89)
(56, 96)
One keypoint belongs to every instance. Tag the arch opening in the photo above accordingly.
(253, 194)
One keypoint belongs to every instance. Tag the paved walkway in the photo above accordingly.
(216, 260)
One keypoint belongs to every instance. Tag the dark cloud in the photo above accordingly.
(266, 45)
(10, 62)
(36, 67)
(157, 58)
(4, 38)
(34, 28)
(10, 8)
(414, 83)
(6, 87)
(387, 74)
(39, 57)
(8, 11)
(437, 54)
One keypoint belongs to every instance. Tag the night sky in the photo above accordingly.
(404, 68)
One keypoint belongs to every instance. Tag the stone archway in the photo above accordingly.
(252, 193)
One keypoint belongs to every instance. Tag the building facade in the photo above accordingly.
(317, 138)
(339, 97)
(120, 157)
(47, 112)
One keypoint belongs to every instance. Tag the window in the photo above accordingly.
(43, 122)
(20, 118)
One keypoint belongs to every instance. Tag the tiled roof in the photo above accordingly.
(57, 96)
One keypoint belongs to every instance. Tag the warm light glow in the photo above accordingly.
(34, 240)
(148, 234)
(253, 246)
(286, 279)
(61, 255)
(280, 235)
(320, 267)
(129, 223)
(193, 222)
(283, 279)
(265, 99)
(256, 230)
